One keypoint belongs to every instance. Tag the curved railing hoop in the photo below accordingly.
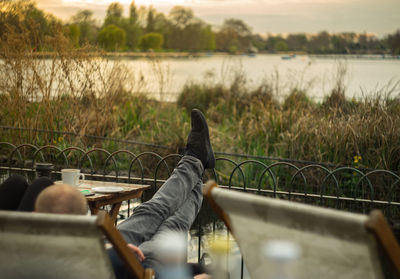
(272, 174)
(241, 164)
(21, 146)
(112, 155)
(13, 147)
(74, 148)
(309, 167)
(230, 161)
(43, 148)
(346, 169)
(137, 158)
(87, 155)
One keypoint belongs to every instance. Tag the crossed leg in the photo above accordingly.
(180, 221)
(147, 219)
(173, 207)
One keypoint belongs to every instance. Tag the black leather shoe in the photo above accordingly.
(198, 143)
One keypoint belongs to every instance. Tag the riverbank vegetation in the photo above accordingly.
(147, 29)
(76, 92)
(337, 130)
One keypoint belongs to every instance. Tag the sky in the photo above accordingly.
(380, 17)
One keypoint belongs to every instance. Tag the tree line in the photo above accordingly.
(147, 29)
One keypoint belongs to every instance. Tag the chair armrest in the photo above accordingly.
(121, 247)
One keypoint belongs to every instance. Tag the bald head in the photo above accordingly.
(62, 199)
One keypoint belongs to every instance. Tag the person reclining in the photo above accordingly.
(172, 208)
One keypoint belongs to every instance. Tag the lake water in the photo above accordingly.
(317, 75)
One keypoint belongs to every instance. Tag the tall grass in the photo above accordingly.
(335, 130)
(69, 90)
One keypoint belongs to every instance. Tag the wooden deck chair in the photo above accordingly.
(334, 244)
(37, 245)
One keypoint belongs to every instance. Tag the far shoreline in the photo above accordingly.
(370, 56)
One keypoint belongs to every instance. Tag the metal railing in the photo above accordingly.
(343, 188)
(314, 183)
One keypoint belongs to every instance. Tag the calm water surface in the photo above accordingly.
(314, 74)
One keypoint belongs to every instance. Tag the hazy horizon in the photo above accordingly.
(264, 16)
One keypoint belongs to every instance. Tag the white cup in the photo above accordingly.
(71, 176)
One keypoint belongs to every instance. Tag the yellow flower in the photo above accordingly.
(60, 139)
(357, 158)
(54, 142)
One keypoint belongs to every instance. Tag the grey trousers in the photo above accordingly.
(174, 207)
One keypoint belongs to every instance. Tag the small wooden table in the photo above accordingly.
(98, 200)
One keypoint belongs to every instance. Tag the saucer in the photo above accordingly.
(106, 190)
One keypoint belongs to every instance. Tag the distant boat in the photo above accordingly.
(252, 51)
(288, 57)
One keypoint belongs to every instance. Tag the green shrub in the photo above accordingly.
(112, 38)
(151, 41)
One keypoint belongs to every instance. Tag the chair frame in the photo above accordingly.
(106, 225)
(375, 224)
